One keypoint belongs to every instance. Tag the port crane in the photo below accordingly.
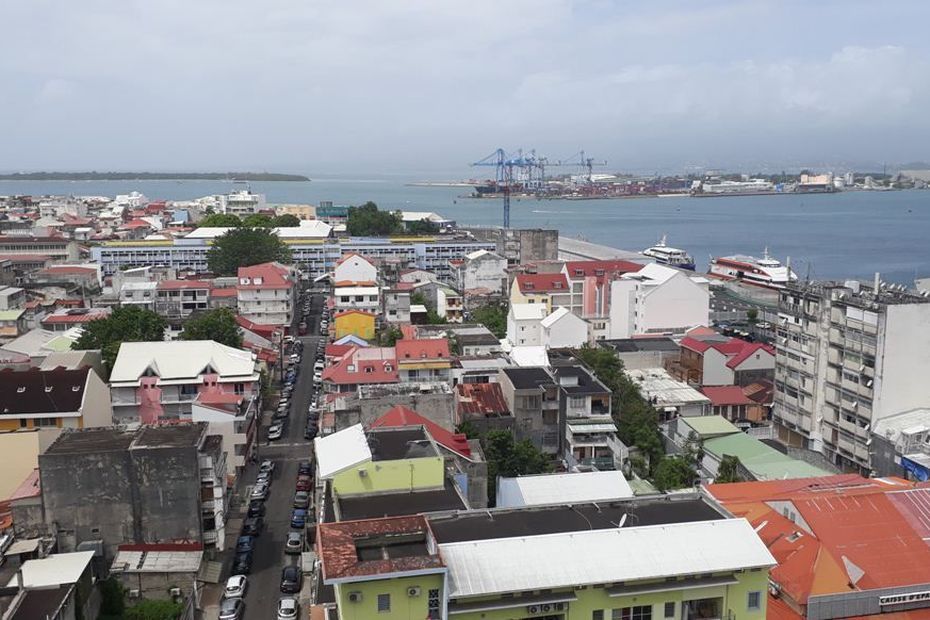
(586, 163)
(530, 168)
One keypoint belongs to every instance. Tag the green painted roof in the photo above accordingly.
(710, 425)
(59, 343)
(765, 462)
(10, 315)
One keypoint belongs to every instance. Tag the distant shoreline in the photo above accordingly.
(151, 176)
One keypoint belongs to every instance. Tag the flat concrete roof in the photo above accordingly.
(398, 504)
(108, 439)
(174, 436)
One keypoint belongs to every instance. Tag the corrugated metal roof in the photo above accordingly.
(562, 489)
(339, 451)
(488, 567)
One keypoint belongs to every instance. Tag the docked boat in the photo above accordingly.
(766, 271)
(672, 257)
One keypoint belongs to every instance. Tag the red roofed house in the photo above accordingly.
(591, 280)
(731, 402)
(427, 359)
(361, 366)
(267, 293)
(716, 360)
(63, 320)
(483, 406)
(846, 546)
(355, 268)
(455, 448)
(550, 289)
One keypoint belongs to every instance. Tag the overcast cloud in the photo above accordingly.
(426, 85)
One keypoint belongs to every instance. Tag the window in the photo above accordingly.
(40, 422)
(576, 402)
(384, 602)
(754, 600)
(239, 388)
(670, 610)
(188, 389)
(639, 612)
(597, 614)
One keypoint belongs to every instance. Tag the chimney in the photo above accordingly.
(877, 282)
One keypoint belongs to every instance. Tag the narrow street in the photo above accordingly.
(269, 557)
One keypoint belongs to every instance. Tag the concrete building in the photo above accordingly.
(357, 323)
(154, 572)
(481, 273)
(670, 397)
(562, 489)
(58, 249)
(901, 445)
(57, 587)
(52, 400)
(267, 293)
(431, 400)
(395, 302)
(236, 421)
(719, 360)
(162, 484)
(353, 268)
(588, 431)
(532, 396)
(562, 329)
(12, 297)
(644, 351)
(449, 304)
(519, 246)
(301, 212)
(160, 381)
(524, 324)
(547, 289)
(847, 356)
(174, 299)
(482, 406)
(423, 359)
(353, 297)
(657, 300)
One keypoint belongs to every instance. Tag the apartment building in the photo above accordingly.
(480, 272)
(177, 299)
(550, 290)
(847, 356)
(58, 249)
(532, 396)
(267, 293)
(54, 399)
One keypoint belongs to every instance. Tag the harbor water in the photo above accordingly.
(843, 235)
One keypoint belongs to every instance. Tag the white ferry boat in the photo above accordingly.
(766, 271)
(672, 257)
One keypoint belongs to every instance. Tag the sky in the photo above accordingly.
(428, 86)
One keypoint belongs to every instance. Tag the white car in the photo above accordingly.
(317, 377)
(275, 431)
(288, 608)
(259, 491)
(318, 366)
(236, 586)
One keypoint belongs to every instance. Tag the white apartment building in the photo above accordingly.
(524, 324)
(357, 297)
(848, 356)
(266, 293)
(355, 268)
(657, 300)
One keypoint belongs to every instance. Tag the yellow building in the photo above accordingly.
(549, 289)
(356, 323)
(301, 212)
(54, 399)
(402, 567)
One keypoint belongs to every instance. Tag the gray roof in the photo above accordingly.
(528, 378)
(633, 345)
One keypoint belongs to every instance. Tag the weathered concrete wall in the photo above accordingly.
(157, 586)
(438, 408)
(168, 500)
(88, 497)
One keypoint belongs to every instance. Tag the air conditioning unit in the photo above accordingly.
(175, 591)
(532, 609)
(413, 591)
(545, 607)
(355, 597)
(558, 606)
(134, 593)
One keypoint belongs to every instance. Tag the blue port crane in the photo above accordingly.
(531, 169)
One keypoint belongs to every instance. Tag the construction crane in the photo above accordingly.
(586, 163)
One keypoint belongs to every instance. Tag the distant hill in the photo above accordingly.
(151, 176)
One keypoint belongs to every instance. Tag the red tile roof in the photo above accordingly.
(600, 269)
(363, 366)
(76, 317)
(736, 349)
(749, 351)
(68, 269)
(530, 283)
(402, 416)
(722, 395)
(428, 348)
(481, 399)
(273, 275)
(338, 350)
(136, 224)
(226, 291)
(340, 557)
(265, 331)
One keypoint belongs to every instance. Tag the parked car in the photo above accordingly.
(291, 578)
(256, 509)
(304, 483)
(299, 518)
(259, 492)
(317, 377)
(275, 431)
(294, 543)
(318, 366)
(301, 499)
(288, 608)
(310, 432)
(245, 544)
(252, 526)
(305, 468)
(236, 586)
(242, 564)
(266, 466)
(232, 609)
(263, 478)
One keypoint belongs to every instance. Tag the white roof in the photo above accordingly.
(908, 422)
(486, 567)
(139, 286)
(180, 359)
(603, 427)
(528, 312)
(477, 254)
(557, 314)
(308, 229)
(416, 216)
(355, 290)
(340, 451)
(157, 561)
(561, 489)
(529, 355)
(55, 570)
(654, 272)
(656, 382)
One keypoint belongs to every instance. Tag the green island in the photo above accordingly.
(151, 176)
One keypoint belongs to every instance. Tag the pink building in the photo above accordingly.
(154, 382)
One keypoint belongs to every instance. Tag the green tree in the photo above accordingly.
(673, 472)
(258, 220)
(422, 227)
(492, 316)
(636, 418)
(218, 324)
(433, 318)
(286, 221)
(468, 429)
(220, 220)
(125, 324)
(693, 450)
(112, 603)
(243, 247)
(752, 315)
(390, 336)
(418, 298)
(366, 220)
(507, 457)
(154, 610)
(728, 471)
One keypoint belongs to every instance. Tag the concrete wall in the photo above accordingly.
(568, 331)
(902, 360)
(716, 371)
(167, 494)
(157, 586)
(487, 272)
(675, 305)
(438, 408)
(398, 475)
(98, 409)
